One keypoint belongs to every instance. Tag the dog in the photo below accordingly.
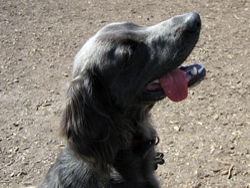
(118, 75)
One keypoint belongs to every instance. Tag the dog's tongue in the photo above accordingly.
(175, 85)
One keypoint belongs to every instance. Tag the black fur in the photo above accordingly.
(106, 121)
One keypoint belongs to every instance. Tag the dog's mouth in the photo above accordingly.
(175, 84)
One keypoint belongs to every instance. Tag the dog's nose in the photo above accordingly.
(193, 22)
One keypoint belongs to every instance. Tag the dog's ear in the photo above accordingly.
(89, 123)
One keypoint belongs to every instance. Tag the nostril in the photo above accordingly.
(193, 22)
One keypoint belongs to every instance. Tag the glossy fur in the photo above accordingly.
(107, 109)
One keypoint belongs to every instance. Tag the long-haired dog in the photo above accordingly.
(118, 75)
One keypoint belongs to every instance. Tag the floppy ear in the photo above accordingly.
(89, 122)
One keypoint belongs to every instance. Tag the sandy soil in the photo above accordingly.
(205, 138)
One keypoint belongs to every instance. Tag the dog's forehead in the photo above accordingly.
(120, 27)
(121, 30)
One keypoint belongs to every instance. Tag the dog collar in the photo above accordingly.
(140, 142)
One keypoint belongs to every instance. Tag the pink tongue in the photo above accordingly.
(175, 85)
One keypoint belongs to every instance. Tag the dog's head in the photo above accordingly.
(127, 58)
(118, 69)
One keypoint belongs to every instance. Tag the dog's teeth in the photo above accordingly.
(194, 71)
(201, 69)
(156, 81)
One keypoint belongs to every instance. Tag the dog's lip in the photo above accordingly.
(194, 74)
(154, 85)
(174, 85)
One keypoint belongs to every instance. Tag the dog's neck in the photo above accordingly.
(138, 142)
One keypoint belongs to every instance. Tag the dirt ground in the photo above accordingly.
(205, 138)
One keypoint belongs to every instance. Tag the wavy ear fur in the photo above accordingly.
(91, 125)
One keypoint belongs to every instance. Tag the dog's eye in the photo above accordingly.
(132, 49)
(124, 51)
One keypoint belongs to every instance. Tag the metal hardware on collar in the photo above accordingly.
(157, 140)
(159, 159)
(137, 143)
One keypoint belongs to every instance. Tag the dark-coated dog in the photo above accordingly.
(118, 75)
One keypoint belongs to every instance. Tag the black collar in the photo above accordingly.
(140, 142)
